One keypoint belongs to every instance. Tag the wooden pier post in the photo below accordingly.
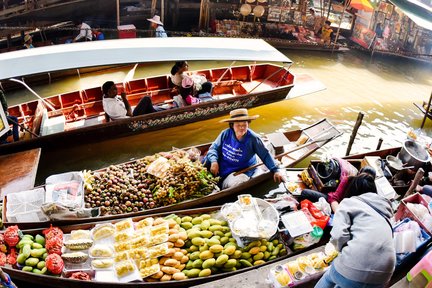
(380, 140)
(354, 132)
(426, 112)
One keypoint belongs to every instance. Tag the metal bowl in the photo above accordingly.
(413, 154)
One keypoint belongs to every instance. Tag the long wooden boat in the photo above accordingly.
(78, 116)
(310, 46)
(356, 160)
(50, 281)
(318, 134)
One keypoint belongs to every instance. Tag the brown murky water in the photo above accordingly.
(383, 88)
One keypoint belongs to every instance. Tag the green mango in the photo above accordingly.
(40, 239)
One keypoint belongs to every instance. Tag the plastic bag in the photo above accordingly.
(158, 167)
(323, 205)
(66, 189)
(320, 219)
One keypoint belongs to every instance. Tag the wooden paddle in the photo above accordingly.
(287, 152)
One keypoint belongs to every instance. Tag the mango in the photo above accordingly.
(31, 261)
(237, 254)
(40, 265)
(215, 228)
(26, 250)
(186, 225)
(198, 241)
(222, 259)
(275, 251)
(203, 248)
(270, 246)
(204, 273)
(263, 248)
(205, 216)
(213, 241)
(228, 234)
(194, 256)
(255, 250)
(206, 234)
(225, 229)
(23, 242)
(271, 258)
(258, 262)
(28, 236)
(40, 239)
(27, 268)
(209, 263)
(193, 248)
(245, 263)
(21, 259)
(216, 248)
(246, 255)
(36, 246)
(37, 253)
(189, 265)
(282, 252)
(186, 219)
(193, 234)
(267, 255)
(214, 221)
(230, 263)
(229, 250)
(206, 255)
(205, 225)
(193, 273)
(45, 255)
(197, 263)
(258, 256)
(229, 269)
(197, 220)
(219, 233)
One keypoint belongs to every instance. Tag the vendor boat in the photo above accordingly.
(78, 116)
(176, 216)
(286, 149)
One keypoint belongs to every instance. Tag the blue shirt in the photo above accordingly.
(234, 155)
(160, 32)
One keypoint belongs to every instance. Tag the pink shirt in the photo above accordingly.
(347, 170)
(190, 100)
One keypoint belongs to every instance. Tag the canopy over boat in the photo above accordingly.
(140, 50)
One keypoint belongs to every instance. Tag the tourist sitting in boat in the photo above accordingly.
(85, 33)
(97, 34)
(157, 24)
(178, 72)
(235, 149)
(28, 42)
(187, 91)
(363, 235)
(205, 94)
(118, 107)
(326, 33)
(350, 185)
(12, 120)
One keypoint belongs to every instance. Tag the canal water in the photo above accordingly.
(383, 88)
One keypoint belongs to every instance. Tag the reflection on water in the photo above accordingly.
(383, 88)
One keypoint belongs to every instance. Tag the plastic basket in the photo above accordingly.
(402, 258)
(404, 212)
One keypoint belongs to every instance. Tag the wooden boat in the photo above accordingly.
(50, 281)
(356, 161)
(423, 109)
(78, 116)
(310, 46)
(318, 134)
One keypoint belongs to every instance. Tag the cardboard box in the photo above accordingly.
(126, 31)
(278, 141)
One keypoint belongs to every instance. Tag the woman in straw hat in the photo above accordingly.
(28, 42)
(157, 24)
(236, 148)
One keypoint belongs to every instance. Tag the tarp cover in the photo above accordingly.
(139, 50)
(418, 12)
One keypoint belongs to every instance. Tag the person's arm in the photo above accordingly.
(213, 153)
(266, 158)
(341, 226)
(126, 103)
(83, 33)
(3, 102)
(334, 198)
(334, 206)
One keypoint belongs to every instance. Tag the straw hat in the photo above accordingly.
(27, 38)
(156, 19)
(239, 115)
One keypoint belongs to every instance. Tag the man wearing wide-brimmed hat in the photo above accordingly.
(235, 149)
(28, 42)
(157, 24)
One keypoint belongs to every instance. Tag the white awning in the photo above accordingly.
(123, 51)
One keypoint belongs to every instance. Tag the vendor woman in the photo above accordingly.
(235, 149)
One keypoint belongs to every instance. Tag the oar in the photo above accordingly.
(287, 152)
(34, 93)
(23, 127)
(223, 74)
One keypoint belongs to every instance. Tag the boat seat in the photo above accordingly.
(265, 86)
(85, 122)
(52, 125)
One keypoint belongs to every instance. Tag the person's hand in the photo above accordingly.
(214, 168)
(123, 95)
(278, 177)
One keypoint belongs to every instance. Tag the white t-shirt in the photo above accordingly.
(177, 79)
(114, 107)
(85, 32)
